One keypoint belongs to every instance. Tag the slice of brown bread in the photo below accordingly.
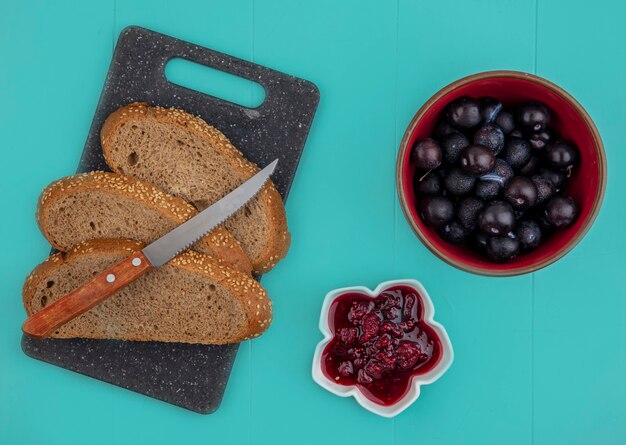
(108, 205)
(191, 299)
(188, 158)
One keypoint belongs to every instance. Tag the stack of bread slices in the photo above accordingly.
(166, 166)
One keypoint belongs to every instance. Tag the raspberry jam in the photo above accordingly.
(380, 343)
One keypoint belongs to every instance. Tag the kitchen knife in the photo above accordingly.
(156, 254)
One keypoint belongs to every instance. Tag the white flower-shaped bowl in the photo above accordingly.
(413, 393)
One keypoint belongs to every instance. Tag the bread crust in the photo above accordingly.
(219, 241)
(253, 298)
(280, 240)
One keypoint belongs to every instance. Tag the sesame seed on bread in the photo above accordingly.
(108, 205)
(188, 158)
(191, 299)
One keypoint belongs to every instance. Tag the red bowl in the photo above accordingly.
(569, 119)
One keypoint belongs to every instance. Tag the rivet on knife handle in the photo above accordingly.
(87, 296)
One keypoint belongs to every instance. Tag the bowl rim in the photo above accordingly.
(602, 172)
(447, 356)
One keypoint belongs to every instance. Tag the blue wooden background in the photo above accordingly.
(539, 358)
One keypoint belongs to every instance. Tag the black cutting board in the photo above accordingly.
(190, 376)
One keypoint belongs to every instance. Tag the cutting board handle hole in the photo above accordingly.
(214, 82)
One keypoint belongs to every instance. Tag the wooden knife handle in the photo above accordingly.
(87, 296)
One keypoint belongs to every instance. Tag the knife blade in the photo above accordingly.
(155, 254)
